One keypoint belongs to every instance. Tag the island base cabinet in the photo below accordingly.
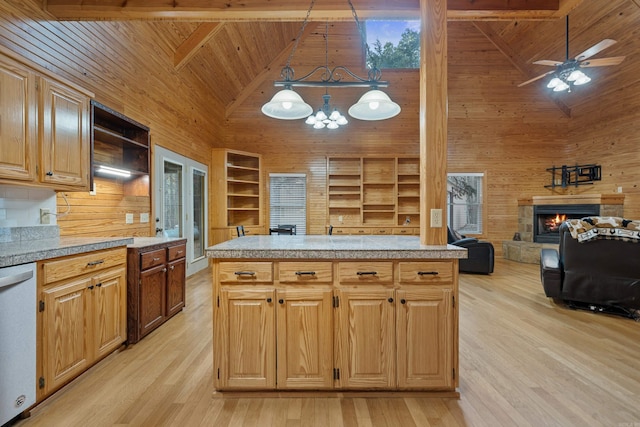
(365, 338)
(350, 325)
(245, 327)
(424, 333)
(305, 339)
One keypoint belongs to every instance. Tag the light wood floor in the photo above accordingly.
(524, 361)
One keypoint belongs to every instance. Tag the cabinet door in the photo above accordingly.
(18, 141)
(245, 333)
(109, 311)
(152, 302)
(365, 338)
(64, 133)
(65, 352)
(176, 286)
(425, 338)
(305, 334)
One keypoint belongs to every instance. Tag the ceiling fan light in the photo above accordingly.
(374, 105)
(319, 125)
(287, 105)
(575, 75)
(342, 120)
(311, 120)
(332, 125)
(582, 80)
(561, 86)
(554, 82)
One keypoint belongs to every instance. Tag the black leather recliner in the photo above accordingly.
(599, 275)
(479, 253)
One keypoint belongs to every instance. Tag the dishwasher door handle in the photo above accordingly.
(15, 279)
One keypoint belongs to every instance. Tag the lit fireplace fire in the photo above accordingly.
(551, 223)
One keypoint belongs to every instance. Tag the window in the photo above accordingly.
(393, 43)
(288, 200)
(465, 202)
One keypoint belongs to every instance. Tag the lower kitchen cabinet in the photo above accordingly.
(376, 326)
(156, 277)
(82, 314)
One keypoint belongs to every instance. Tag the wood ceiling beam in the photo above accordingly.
(295, 10)
(277, 62)
(487, 30)
(205, 32)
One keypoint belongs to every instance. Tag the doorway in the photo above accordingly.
(181, 203)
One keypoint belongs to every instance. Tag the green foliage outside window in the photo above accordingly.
(405, 55)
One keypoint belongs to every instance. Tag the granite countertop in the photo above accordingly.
(143, 242)
(332, 247)
(24, 251)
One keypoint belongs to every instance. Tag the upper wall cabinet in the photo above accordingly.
(44, 127)
(18, 138)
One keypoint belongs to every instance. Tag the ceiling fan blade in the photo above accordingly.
(536, 78)
(548, 62)
(598, 47)
(602, 62)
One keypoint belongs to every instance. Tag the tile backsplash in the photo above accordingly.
(20, 206)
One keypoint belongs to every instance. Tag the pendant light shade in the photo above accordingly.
(287, 105)
(374, 105)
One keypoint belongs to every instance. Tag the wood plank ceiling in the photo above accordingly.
(233, 48)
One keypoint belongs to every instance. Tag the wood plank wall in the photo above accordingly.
(129, 67)
(511, 134)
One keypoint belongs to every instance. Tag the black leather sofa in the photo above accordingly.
(601, 274)
(480, 258)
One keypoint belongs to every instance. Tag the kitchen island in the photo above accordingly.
(341, 313)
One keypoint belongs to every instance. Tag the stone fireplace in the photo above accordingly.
(539, 217)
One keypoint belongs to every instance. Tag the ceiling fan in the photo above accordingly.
(568, 73)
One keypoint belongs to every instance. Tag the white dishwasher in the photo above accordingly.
(18, 302)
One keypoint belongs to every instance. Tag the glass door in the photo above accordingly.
(181, 203)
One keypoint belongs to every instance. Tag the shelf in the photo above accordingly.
(230, 166)
(243, 195)
(241, 181)
(113, 138)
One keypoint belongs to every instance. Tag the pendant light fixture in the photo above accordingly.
(288, 105)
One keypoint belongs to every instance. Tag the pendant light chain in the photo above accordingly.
(299, 36)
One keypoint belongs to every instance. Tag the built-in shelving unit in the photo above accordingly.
(373, 194)
(121, 143)
(238, 193)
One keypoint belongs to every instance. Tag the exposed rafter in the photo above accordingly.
(266, 72)
(487, 30)
(294, 10)
(205, 32)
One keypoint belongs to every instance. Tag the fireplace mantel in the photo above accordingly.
(577, 199)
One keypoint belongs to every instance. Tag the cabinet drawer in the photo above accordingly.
(408, 231)
(245, 272)
(366, 272)
(176, 252)
(153, 258)
(426, 272)
(74, 266)
(306, 272)
(381, 231)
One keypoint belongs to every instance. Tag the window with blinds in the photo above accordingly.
(288, 200)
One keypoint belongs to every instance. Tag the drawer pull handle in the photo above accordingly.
(90, 287)
(305, 273)
(367, 273)
(172, 267)
(92, 263)
(156, 259)
(98, 285)
(281, 301)
(427, 273)
(269, 300)
(390, 300)
(245, 273)
(403, 301)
